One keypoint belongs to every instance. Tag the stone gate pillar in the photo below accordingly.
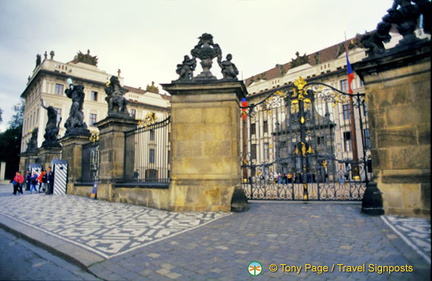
(112, 153)
(72, 153)
(398, 97)
(205, 146)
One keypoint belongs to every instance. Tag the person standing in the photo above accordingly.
(33, 182)
(17, 183)
(28, 176)
(42, 180)
(50, 181)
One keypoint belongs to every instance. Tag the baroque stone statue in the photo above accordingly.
(115, 98)
(186, 68)
(52, 128)
(32, 143)
(206, 50)
(404, 15)
(229, 70)
(75, 124)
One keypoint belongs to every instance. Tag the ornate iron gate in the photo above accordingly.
(309, 141)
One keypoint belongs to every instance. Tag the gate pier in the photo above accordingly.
(205, 145)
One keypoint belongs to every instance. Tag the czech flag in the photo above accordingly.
(350, 74)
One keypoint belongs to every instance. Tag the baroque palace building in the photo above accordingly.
(48, 82)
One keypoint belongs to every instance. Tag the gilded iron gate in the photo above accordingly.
(309, 141)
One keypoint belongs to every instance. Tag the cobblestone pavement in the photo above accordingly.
(297, 240)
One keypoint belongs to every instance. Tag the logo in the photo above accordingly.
(254, 268)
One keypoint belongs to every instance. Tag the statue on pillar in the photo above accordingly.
(75, 124)
(229, 70)
(186, 68)
(32, 143)
(52, 128)
(206, 50)
(115, 98)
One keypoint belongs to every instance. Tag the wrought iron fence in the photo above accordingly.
(309, 141)
(90, 162)
(147, 153)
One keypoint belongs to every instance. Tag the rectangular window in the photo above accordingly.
(94, 96)
(152, 135)
(253, 129)
(93, 118)
(346, 111)
(367, 138)
(266, 151)
(265, 126)
(253, 151)
(320, 141)
(58, 89)
(151, 155)
(347, 141)
(344, 85)
(133, 113)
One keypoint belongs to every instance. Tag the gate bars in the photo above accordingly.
(309, 141)
(150, 145)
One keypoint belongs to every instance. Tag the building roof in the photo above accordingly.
(319, 57)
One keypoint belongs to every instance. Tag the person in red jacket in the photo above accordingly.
(41, 180)
(17, 183)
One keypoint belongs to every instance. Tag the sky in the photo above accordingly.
(146, 39)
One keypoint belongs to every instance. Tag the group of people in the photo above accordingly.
(37, 182)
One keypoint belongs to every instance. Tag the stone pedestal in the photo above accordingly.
(47, 154)
(205, 147)
(28, 158)
(112, 153)
(398, 94)
(72, 153)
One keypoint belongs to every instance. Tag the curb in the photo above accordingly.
(63, 249)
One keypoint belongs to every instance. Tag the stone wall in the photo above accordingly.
(398, 94)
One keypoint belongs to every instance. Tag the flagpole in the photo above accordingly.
(355, 167)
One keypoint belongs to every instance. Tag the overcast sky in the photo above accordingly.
(146, 39)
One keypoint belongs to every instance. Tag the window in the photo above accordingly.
(93, 118)
(253, 151)
(152, 135)
(367, 138)
(347, 141)
(253, 129)
(346, 111)
(266, 151)
(58, 110)
(151, 155)
(133, 113)
(265, 126)
(320, 141)
(94, 96)
(344, 85)
(58, 89)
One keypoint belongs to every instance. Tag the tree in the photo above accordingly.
(1, 118)
(10, 142)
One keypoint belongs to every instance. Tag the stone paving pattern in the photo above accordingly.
(221, 246)
(99, 226)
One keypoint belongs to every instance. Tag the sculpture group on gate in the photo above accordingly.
(206, 50)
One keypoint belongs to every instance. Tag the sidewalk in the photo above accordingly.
(126, 242)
